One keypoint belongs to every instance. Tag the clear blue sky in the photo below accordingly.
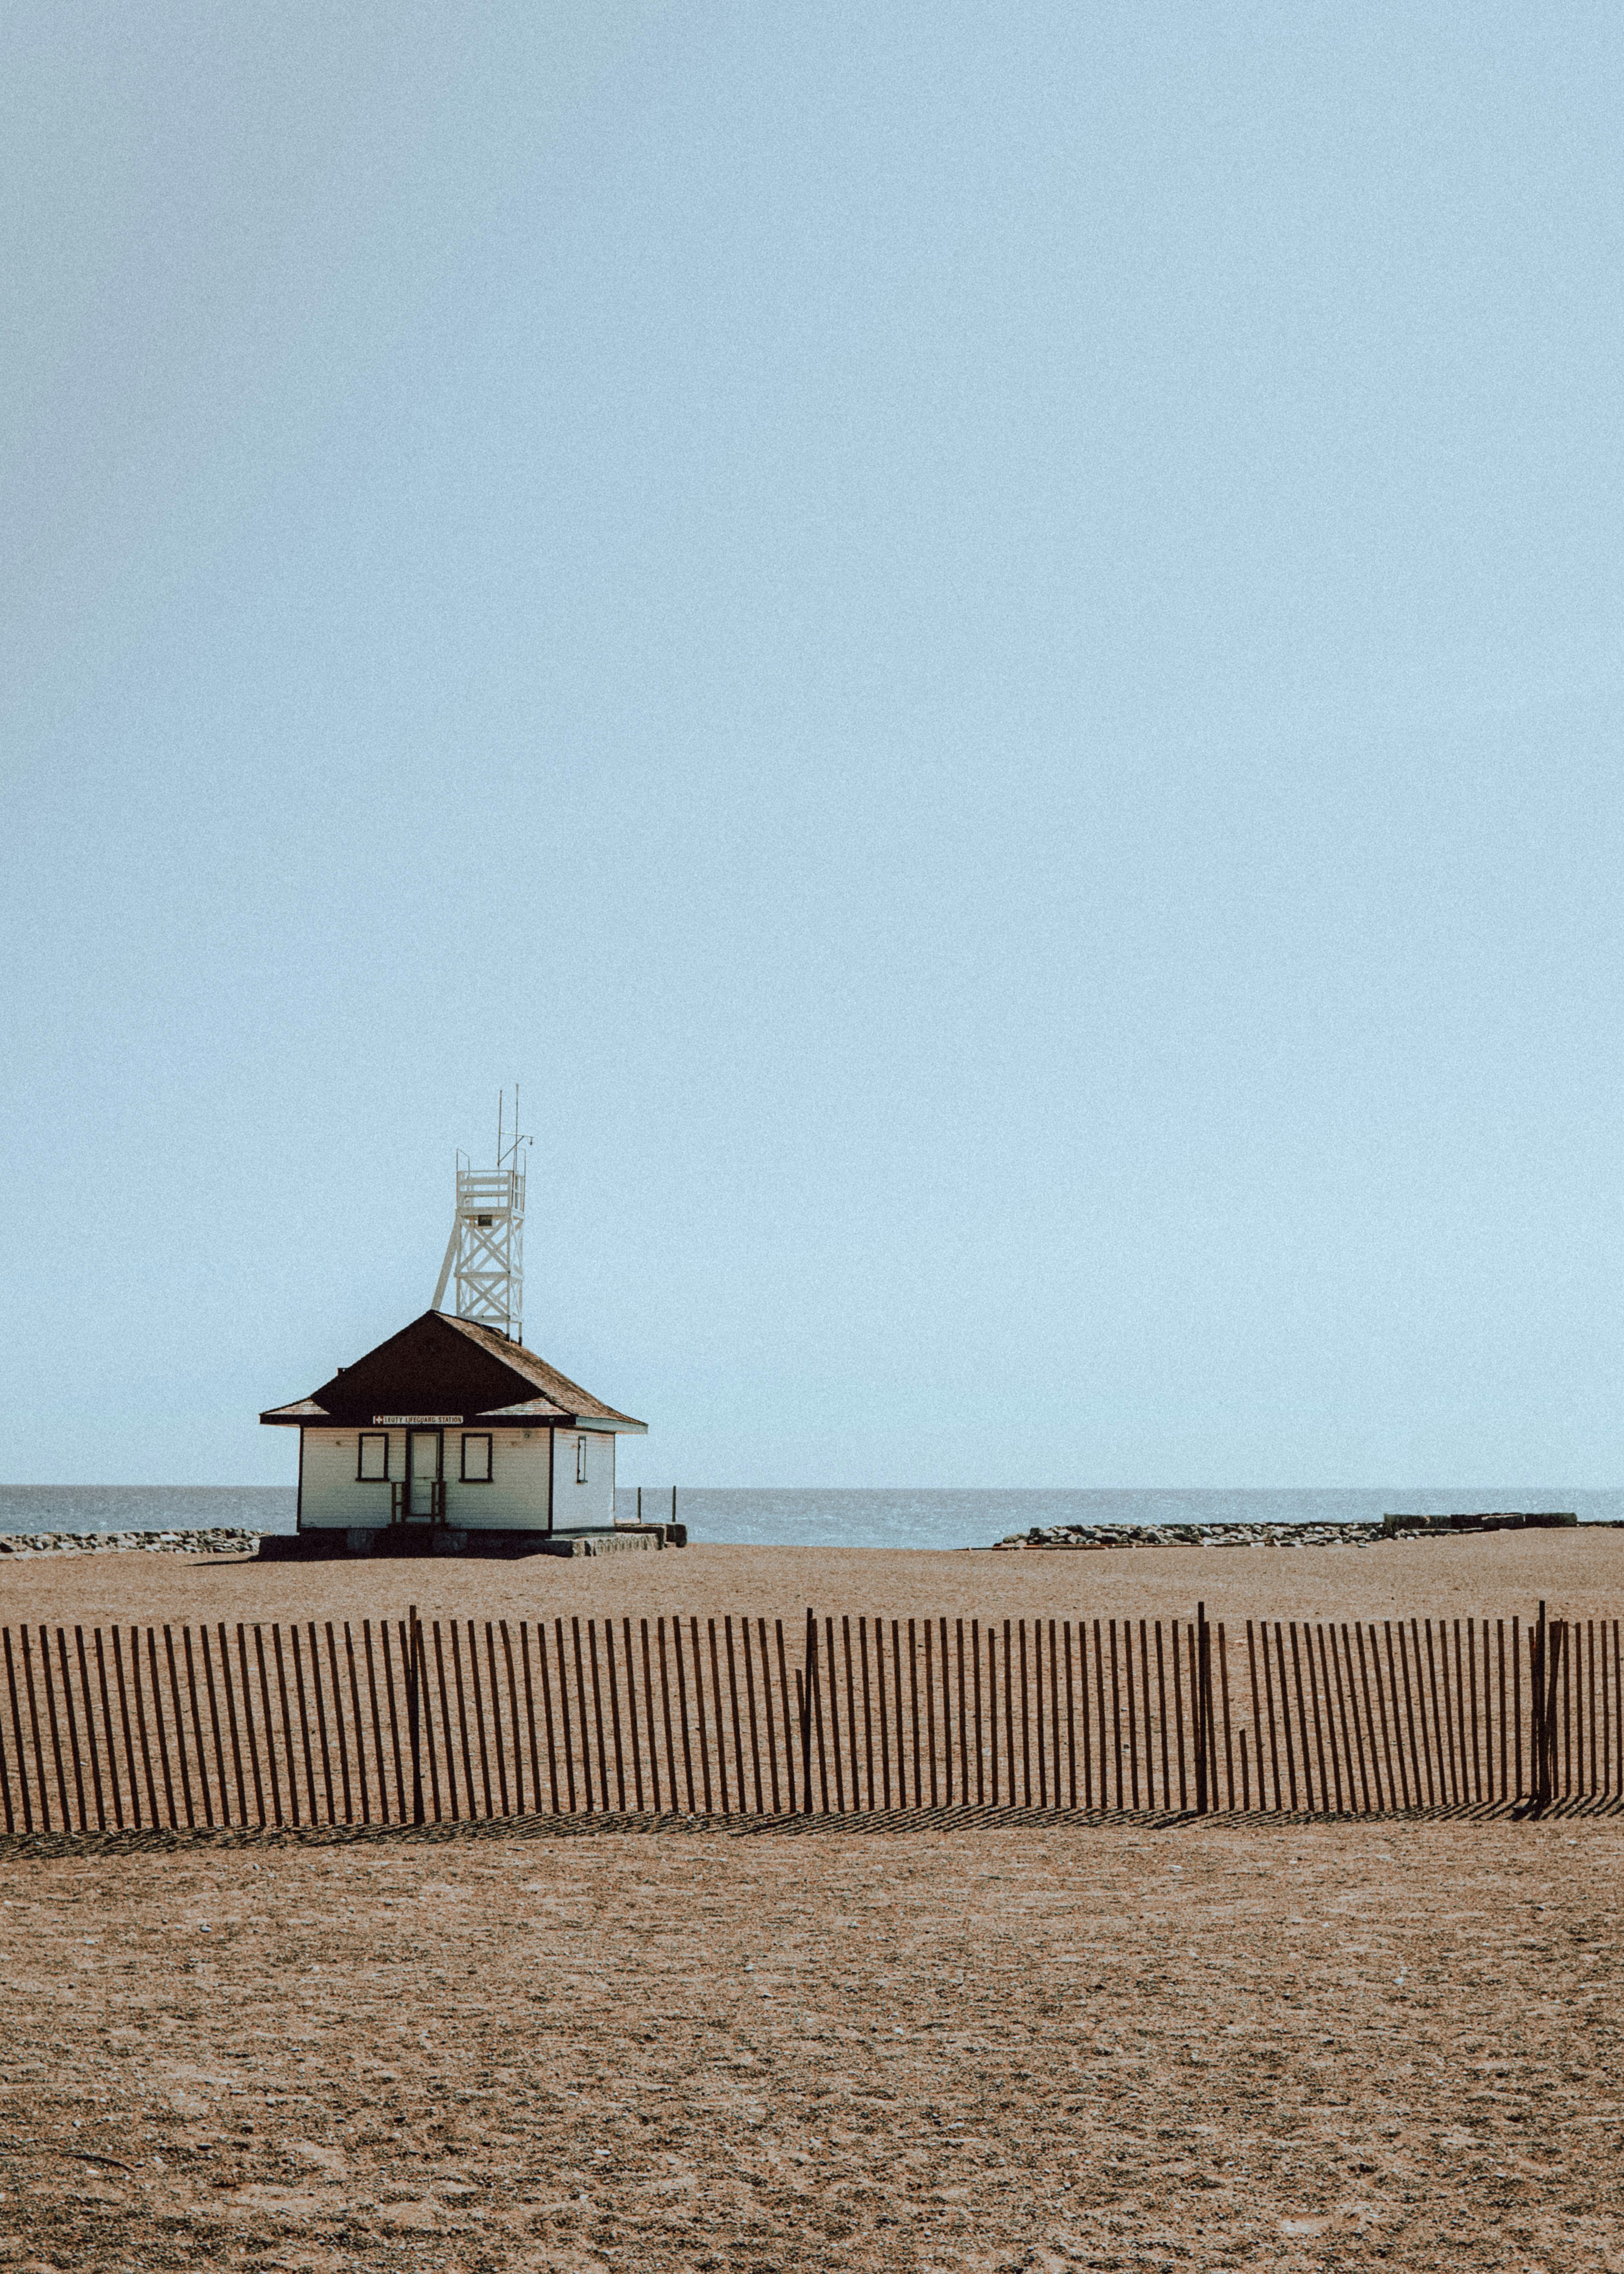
(983, 643)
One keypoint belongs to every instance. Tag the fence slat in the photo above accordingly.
(393, 1753)
(213, 1723)
(918, 1790)
(109, 1736)
(1413, 1686)
(73, 1720)
(1285, 1711)
(785, 1717)
(471, 1635)
(682, 1719)
(55, 1732)
(1443, 1744)
(702, 1732)
(1133, 1737)
(1115, 1715)
(1347, 1711)
(631, 1707)
(228, 1687)
(518, 1727)
(546, 1708)
(853, 1755)
(631, 1714)
(338, 1733)
(17, 1727)
(721, 1712)
(867, 1699)
(1301, 1723)
(197, 1726)
(749, 1693)
(1319, 1674)
(1461, 1732)
(753, 1718)
(597, 1714)
(991, 1749)
(1371, 1723)
(665, 1704)
(1388, 1719)
(530, 1715)
(162, 1735)
(299, 1691)
(1269, 1722)
(360, 1731)
(499, 1742)
(902, 1740)
(815, 1708)
(5, 1771)
(568, 1724)
(1409, 1711)
(1026, 1725)
(930, 1702)
(650, 1722)
(565, 1728)
(780, 1750)
(267, 1720)
(90, 1744)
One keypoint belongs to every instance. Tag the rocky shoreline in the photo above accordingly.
(1194, 1535)
(228, 1538)
(1353, 1533)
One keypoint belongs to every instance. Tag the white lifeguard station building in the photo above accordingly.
(451, 1435)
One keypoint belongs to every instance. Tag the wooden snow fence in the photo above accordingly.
(452, 1721)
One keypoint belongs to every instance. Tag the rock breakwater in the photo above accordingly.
(218, 1538)
(1355, 1534)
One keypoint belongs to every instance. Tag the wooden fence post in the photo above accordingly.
(805, 1703)
(1539, 1788)
(414, 1676)
(1202, 1707)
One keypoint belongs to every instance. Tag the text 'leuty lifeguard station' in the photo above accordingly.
(452, 1437)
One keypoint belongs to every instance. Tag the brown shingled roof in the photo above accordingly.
(565, 1396)
(439, 1364)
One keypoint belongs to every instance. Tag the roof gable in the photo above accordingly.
(442, 1364)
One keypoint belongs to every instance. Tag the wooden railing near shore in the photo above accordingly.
(446, 1721)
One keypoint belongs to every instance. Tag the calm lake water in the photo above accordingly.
(808, 1518)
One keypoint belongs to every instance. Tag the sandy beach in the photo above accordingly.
(1579, 1573)
(1279, 2045)
(1288, 2047)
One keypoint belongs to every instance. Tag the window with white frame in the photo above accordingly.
(581, 1460)
(475, 1460)
(373, 1466)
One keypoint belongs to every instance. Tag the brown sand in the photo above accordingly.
(1213, 2046)
(1581, 1573)
(1281, 2046)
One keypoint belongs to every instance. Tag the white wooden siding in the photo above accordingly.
(516, 1499)
(331, 1495)
(578, 1507)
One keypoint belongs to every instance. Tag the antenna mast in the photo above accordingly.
(487, 1248)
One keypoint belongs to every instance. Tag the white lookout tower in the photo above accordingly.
(486, 1251)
